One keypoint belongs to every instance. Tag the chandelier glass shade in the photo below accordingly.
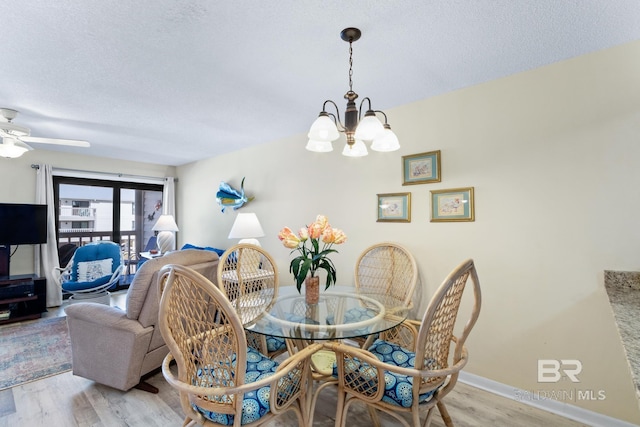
(328, 126)
(386, 141)
(369, 127)
(319, 146)
(323, 129)
(358, 149)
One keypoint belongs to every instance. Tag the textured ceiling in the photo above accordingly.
(170, 82)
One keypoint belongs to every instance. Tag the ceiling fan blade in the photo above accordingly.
(19, 143)
(56, 141)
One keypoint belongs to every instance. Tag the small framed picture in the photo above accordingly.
(394, 207)
(421, 168)
(452, 205)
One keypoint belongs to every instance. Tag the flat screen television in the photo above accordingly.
(20, 224)
(23, 224)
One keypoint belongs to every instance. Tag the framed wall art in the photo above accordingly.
(394, 207)
(456, 204)
(421, 168)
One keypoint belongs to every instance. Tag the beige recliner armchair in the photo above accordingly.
(118, 347)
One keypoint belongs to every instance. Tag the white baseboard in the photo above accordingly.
(563, 409)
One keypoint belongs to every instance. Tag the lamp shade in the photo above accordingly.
(165, 223)
(246, 227)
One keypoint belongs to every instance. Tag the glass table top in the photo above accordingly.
(341, 312)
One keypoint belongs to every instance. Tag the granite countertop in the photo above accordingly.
(623, 288)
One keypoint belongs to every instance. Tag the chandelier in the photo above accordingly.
(328, 126)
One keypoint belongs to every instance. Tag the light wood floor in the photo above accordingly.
(67, 400)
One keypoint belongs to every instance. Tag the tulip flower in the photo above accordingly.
(323, 221)
(339, 236)
(291, 241)
(328, 235)
(284, 233)
(315, 230)
(303, 234)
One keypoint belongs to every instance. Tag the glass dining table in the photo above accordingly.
(342, 312)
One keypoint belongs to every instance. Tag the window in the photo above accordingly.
(124, 212)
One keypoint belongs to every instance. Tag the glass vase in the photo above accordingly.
(312, 290)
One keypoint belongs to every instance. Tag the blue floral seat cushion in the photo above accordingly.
(398, 388)
(255, 403)
(277, 343)
(354, 315)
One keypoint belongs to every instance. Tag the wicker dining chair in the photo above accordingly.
(411, 367)
(385, 269)
(221, 381)
(248, 275)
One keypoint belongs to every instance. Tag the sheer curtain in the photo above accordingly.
(46, 256)
(169, 197)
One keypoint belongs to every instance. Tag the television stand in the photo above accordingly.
(5, 259)
(22, 297)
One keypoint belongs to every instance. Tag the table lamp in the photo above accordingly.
(166, 226)
(246, 227)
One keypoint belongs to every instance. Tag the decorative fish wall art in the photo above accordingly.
(227, 196)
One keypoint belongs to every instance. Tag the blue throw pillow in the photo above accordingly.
(205, 248)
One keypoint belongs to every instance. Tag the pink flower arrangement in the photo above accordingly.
(312, 257)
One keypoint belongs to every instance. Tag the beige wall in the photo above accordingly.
(18, 184)
(551, 154)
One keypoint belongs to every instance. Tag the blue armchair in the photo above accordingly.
(92, 271)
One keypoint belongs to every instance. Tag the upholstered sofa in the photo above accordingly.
(117, 347)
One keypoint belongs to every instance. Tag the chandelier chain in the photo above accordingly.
(350, 66)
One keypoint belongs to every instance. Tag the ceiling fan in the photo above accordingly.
(15, 137)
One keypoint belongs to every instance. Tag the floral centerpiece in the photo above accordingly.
(313, 256)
